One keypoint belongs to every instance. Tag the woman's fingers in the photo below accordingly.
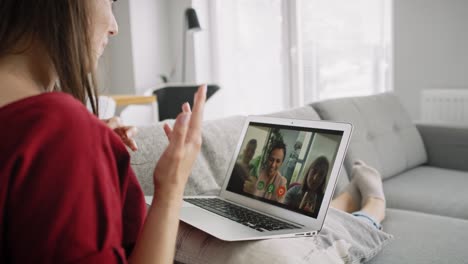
(179, 132)
(248, 186)
(172, 171)
(167, 130)
(170, 175)
(113, 122)
(131, 143)
(197, 115)
(186, 108)
(199, 103)
(130, 131)
(126, 133)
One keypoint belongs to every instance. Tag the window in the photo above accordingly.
(249, 61)
(269, 55)
(345, 47)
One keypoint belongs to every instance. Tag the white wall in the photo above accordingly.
(431, 48)
(142, 50)
(177, 9)
(116, 71)
(151, 45)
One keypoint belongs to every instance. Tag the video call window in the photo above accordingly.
(285, 166)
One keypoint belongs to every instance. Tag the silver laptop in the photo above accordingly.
(279, 183)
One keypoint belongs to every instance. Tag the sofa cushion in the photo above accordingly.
(343, 239)
(430, 190)
(423, 238)
(383, 134)
(304, 113)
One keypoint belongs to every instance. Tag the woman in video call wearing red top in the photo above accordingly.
(67, 191)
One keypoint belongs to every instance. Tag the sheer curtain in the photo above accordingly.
(346, 47)
(248, 57)
(269, 55)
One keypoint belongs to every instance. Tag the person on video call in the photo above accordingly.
(246, 157)
(241, 169)
(269, 184)
(308, 195)
(292, 160)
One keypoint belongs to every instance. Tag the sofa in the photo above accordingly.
(424, 168)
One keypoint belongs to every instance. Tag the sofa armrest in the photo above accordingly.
(446, 145)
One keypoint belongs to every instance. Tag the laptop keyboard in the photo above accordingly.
(240, 214)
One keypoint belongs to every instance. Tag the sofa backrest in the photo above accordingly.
(219, 142)
(383, 134)
(220, 139)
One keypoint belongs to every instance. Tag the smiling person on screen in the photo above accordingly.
(270, 184)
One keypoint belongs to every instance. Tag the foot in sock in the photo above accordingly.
(368, 181)
(353, 191)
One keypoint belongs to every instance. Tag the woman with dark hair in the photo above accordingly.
(67, 191)
(308, 195)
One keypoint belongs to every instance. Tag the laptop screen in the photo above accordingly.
(285, 166)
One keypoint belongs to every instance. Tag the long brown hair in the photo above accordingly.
(320, 165)
(63, 28)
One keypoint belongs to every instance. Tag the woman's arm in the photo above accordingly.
(156, 243)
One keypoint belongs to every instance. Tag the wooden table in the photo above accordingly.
(124, 100)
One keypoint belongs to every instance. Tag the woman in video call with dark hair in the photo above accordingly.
(308, 195)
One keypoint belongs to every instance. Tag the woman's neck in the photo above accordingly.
(26, 74)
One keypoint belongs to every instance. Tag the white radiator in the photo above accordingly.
(444, 105)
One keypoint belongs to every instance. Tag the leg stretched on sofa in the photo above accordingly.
(364, 196)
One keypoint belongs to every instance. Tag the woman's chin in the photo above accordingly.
(96, 63)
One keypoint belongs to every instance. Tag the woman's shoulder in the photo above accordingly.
(45, 107)
(57, 129)
(49, 119)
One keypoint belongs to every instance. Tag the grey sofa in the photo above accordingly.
(425, 173)
(424, 169)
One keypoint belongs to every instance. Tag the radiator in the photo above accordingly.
(445, 106)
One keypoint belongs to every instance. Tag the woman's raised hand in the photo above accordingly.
(249, 184)
(174, 166)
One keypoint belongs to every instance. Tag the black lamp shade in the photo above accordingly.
(192, 20)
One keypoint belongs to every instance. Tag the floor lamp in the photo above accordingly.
(191, 25)
(170, 97)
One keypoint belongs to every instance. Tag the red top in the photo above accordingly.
(67, 191)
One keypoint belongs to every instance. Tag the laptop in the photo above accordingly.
(279, 183)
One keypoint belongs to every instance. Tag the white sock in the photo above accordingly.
(368, 181)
